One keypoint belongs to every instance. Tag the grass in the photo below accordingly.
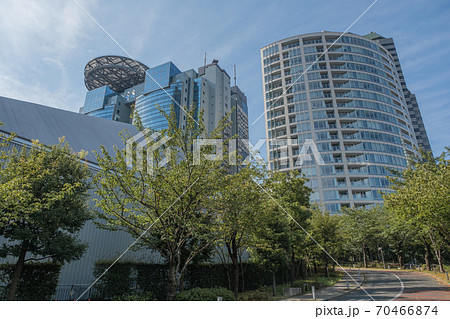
(265, 292)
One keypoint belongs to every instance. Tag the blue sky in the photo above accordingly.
(46, 44)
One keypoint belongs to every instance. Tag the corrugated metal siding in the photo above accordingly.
(103, 245)
(32, 121)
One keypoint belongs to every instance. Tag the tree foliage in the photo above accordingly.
(165, 207)
(237, 206)
(280, 236)
(43, 204)
(422, 194)
(362, 229)
(325, 230)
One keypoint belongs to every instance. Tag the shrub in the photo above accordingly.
(116, 282)
(263, 293)
(146, 296)
(38, 280)
(205, 294)
(125, 276)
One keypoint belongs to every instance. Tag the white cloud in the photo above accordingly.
(28, 27)
(39, 40)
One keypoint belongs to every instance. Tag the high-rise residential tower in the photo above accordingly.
(349, 103)
(117, 84)
(239, 120)
(411, 101)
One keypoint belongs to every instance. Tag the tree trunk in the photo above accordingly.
(427, 255)
(228, 277)
(235, 277)
(241, 267)
(292, 270)
(364, 255)
(17, 272)
(315, 268)
(182, 282)
(172, 280)
(437, 252)
(233, 253)
(303, 269)
(439, 259)
(400, 260)
(274, 284)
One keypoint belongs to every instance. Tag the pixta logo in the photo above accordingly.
(147, 144)
(150, 143)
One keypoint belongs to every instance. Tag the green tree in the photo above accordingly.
(10, 190)
(44, 193)
(422, 194)
(292, 195)
(326, 231)
(280, 238)
(271, 245)
(237, 205)
(398, 235)
(362, 229)
(164, 207)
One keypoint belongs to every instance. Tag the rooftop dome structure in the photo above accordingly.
(119, 73)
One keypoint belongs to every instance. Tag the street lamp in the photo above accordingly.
(382, 256)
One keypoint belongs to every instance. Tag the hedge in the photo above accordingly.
(129, 278)
(38, 281)
(206, 294)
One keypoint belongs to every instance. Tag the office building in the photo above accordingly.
(350, 103)
(117, 85)
(113, 83)
(239, 121)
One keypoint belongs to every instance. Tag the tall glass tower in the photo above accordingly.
(344, 96)
(118, 84)
(411, 101)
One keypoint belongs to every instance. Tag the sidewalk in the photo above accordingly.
(339, 289)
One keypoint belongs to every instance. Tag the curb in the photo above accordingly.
(343, 294)
(439, 279)
(412, 271)
(349, 291)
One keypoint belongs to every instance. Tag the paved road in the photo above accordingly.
(398, 285)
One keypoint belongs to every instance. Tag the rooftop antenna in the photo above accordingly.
(235, 75)
(204, 60)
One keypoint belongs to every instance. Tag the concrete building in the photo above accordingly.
(350, 103)
(239, 120)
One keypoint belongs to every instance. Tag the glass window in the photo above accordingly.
(329, 182)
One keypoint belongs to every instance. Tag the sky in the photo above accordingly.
(46, 44)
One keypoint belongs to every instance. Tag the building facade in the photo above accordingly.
(411, 101)
(239, 120)
(346, 100)
(126, 84)
(113, 82)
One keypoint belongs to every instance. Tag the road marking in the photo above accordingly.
(401, 290)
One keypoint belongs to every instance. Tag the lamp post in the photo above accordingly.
(382, 256)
